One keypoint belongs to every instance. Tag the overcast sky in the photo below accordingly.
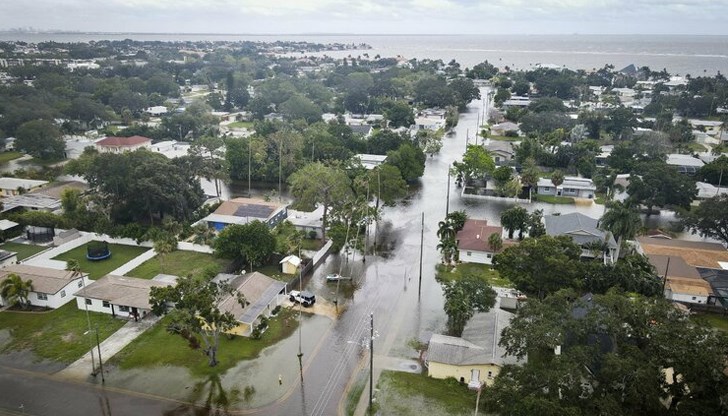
(370, 16)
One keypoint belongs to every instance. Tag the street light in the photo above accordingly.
(101, 363)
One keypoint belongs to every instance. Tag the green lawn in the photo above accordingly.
(715, 321)
(24, 250)
(313, 245)
(241, 124)
(8, 156)
(552, 199)
(352, 398)
(415, 394)
(56, 335)
(178, 263)
(696, 147)
(446, 273)
(274, 271)
(120, 254)
(158, 347)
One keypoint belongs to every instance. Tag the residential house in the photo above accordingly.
(571, 187)
(585, 232)
(18, 186)
(156, 111)
(501, 129)
(473, 244)
(308, 222)
(686, 164)
(114, 144)
(683, 282)
(718, 281)
(501, 151)
(245, 210)
(699, 254)
(428, 123)
(262, 294)
(604, 152)
(42, 199)
(364, 130)
(51, 288)
(707, 190)
(126, 297)
(370, 161)
(475, 357)
(516, 102)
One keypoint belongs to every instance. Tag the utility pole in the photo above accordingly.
(280, 168)
(250, 158)
(300, 316)
(371, 360)
(664, 281)
(467, 138)
(447, 202)
(101, 363)
(422, 244)
(720, 181)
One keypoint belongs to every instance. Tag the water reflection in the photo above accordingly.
(210, 398)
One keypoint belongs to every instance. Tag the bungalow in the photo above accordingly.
(245, 210)
(686, 164)
(370, 161)
(42, 199)
(516, 102)
(113, 144)
(475, 357)
(585, 232)
(308, 222)
(17, 186)
(127, 297)
(364, 130)
(156, 110)
(429, 123)
(683, 282)
(501, 129)
(473, 241)
(695, 253)
(572, 186)
(707, 190)
(51, 288)
(502, 152)
(262, 294)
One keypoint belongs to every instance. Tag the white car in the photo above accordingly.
(333, 277)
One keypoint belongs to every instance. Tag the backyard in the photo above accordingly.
(57, 335)
(158, 347)
(446, 273)
(8, 156)
(120, 255)
(416, 394)
(179, 263)
(24, 250)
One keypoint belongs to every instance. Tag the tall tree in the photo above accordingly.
(622, 221)
(196, 314)
(317, 183)
(41, 139)
(252, 242)
(540, 266)
(557, 177)
(409, 159)
(660, 185)
(16, 291)
(515, 218)
(463, 297)
(710, 218)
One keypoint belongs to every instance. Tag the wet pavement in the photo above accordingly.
(335, 352)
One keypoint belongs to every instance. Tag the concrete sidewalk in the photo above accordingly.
(81, 368)
(134, 263)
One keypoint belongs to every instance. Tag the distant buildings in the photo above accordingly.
(113, 144)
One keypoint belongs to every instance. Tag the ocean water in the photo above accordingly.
(679, 54)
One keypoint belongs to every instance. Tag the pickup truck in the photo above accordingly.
(304, 298)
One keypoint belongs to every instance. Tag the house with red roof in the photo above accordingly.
(473, 241)
(114, 144)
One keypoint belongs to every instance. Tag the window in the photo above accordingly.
(694, 298)
(123, 309)
(89, 302)
(42, 296)
(105, 304)
(63, 293)
(469, 253)
(547, 189)
(490, 374)
(489, 255)
(80, 283)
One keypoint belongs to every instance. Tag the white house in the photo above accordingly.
(51, 288)
(15, 186)
(127, 297)
(113, 144)
(585, 232)
(156, 111)
(308, 222)
(261, 293)
(473, 245)
(572, 186)
(686, 164)
(370, 161)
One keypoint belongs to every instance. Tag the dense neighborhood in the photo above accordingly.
(223, 212)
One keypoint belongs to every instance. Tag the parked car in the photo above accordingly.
(335, 276)
(304, 298)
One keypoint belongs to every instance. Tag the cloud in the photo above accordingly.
(370, 16)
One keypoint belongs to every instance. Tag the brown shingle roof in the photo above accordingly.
(475, 234)
(120, 290)
(44, 279)
(695, 253)
(257, 208)
(677, 268)
(123, 141)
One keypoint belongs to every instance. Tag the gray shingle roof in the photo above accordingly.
(581, 228)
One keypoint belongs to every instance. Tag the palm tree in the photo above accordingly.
(557, 178)
(622, 221)
(495, 241)
(448, 250)
(203, 234)
(445, 230)
(16, 291)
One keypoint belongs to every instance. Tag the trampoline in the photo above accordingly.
(98, 250)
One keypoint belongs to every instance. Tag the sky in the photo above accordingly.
(370, 16)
